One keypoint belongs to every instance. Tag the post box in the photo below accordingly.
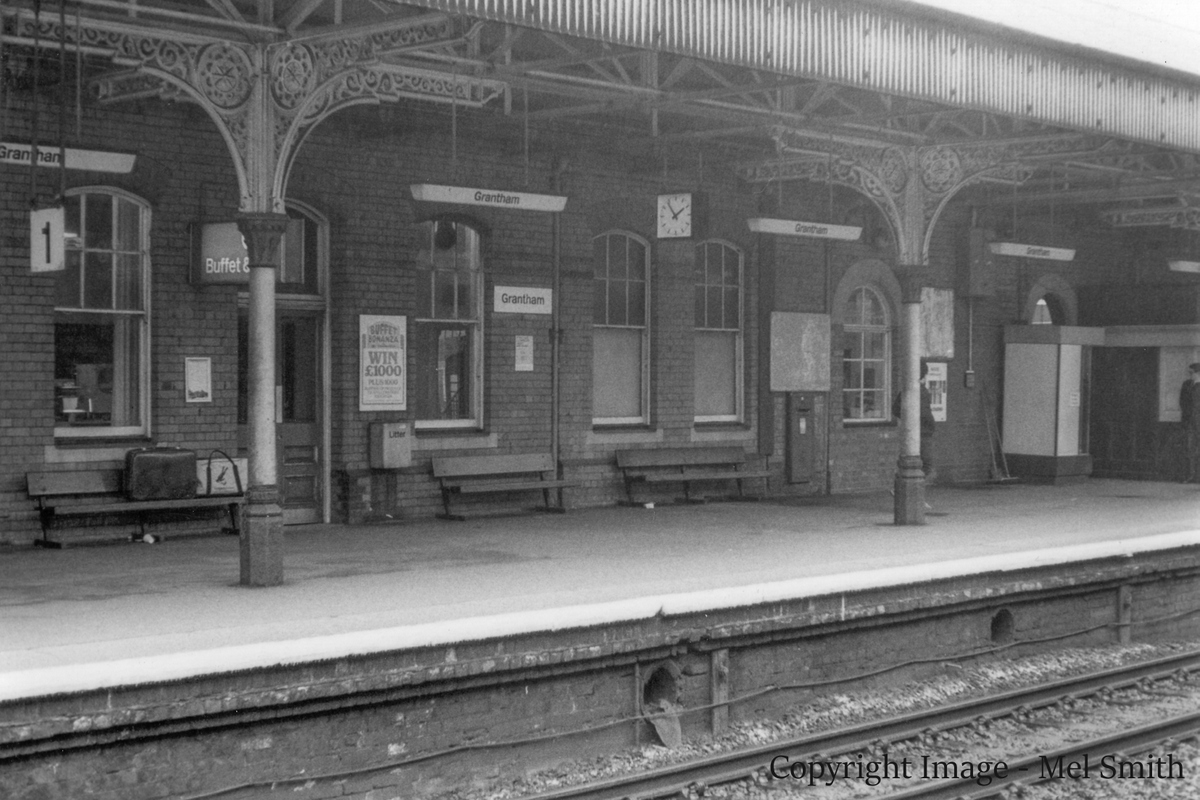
(391, 445)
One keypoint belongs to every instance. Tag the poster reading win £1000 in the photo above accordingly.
(382, 354)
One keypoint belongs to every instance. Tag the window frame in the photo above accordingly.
(427, 270)
(739, 332)
(861, 329)
(143, 314)
(644, 399)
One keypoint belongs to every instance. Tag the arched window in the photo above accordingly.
(621, 331)
(719, 328)
(101, 317)
(866, 357)
(448, 334)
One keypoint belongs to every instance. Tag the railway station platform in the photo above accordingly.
(87, 618)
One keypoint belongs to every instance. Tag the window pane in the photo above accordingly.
(874, 345)
(713, 310)
(291, 268)
(637, 303)
(129, 227)
(872, 405)
(617, 373)
(600, 256)
(732, 276)
(701, 293)
(716, 379)
(97, 280)
(854, 345)
(97, 370)
(444, 358)
(67, 287)
(616, 256)
(617, 312)
(872, 309)
(98, 232)
(600, 302)
(732, 318)
(637, 260)
(443, 295)
(129, 282)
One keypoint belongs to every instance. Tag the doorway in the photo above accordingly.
(299, 415)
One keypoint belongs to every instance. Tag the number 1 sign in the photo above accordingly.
(46, 239)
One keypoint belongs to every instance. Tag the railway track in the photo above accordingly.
(877, 736)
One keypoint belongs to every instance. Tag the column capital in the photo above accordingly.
(913, 278)
(263, 231)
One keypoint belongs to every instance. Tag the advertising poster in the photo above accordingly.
(383, 365)
(935, 381)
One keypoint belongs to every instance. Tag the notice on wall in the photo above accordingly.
(799, 352)
(524, 354)
(197, 374)
(383, 363)
(936, 383)
(937, 323)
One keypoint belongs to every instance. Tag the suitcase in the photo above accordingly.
(160, 473)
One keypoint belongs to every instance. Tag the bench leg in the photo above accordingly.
(235, 528)
(446, 513)
(47, 518)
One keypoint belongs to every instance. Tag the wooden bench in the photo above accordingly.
(459, 475)
(96, 492)
(686, 465)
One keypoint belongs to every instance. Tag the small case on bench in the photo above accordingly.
(160, 473)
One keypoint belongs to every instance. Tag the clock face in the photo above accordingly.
(674, 215)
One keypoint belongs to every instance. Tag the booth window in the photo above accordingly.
(620, 333)
(448, 333)
(866, 357)
(718, 369)
(101, 311)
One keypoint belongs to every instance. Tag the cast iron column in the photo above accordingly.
(910, 477)
(262, 517)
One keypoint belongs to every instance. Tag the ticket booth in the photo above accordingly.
(1047, 379)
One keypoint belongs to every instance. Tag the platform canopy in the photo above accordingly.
(765, 81)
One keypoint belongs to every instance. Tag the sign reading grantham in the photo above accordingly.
(90, 160)
(522, 300)
(792, 227)
(466, 196)
(1031, 251)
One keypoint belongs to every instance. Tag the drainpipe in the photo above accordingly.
(560, 167)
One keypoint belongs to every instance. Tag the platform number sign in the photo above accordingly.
(46, 239)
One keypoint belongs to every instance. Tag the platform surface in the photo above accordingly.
(93, 616)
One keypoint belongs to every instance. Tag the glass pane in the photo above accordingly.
(468, 248)
(872, 405)
(72, 206)
(874, 345)
(873, 309)
(716, 374)
(872, 375)
(443, 373)
(600, 302)
(443, 294)
(851, 405)
(97, 280)
(617, 311)
(713, 310)
(853, 311)
(732, 276)
(129, 281)
(98, 232)
(854, 345)
(298, 369)
(616, 257)
(129, 226)
(700, 306)
(67, 287)
(617, 373)
(733, 314)
(637, 303)
(291, 269)
(637, 260)
(600, 256)
(97, 370)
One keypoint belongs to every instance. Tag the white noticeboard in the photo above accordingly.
(524, 354)
(935, 382)
(46, 239)
(197, 373)
(383, 363)
(799, 352)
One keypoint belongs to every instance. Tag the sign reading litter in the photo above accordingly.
(383, 384)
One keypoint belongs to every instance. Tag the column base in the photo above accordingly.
(262, 538)
(909, 491)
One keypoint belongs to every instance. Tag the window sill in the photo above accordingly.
(624, 434)
(870, 423)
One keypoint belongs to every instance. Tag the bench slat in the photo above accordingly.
(144, 505)
(500, 486)
(55, 484)
(458, 466)
(680, 457)
(668, 477)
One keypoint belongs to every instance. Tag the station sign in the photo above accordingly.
(1032, 251)
(1180, 265)
(522, 300)
(50, 156)
(793, 227)
(467, 196)
(219, 254)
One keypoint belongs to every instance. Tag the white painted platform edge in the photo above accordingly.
(235, 658)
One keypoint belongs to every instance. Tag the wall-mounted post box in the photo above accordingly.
(391, 445)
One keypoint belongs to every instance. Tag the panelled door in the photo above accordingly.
(298, 412)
